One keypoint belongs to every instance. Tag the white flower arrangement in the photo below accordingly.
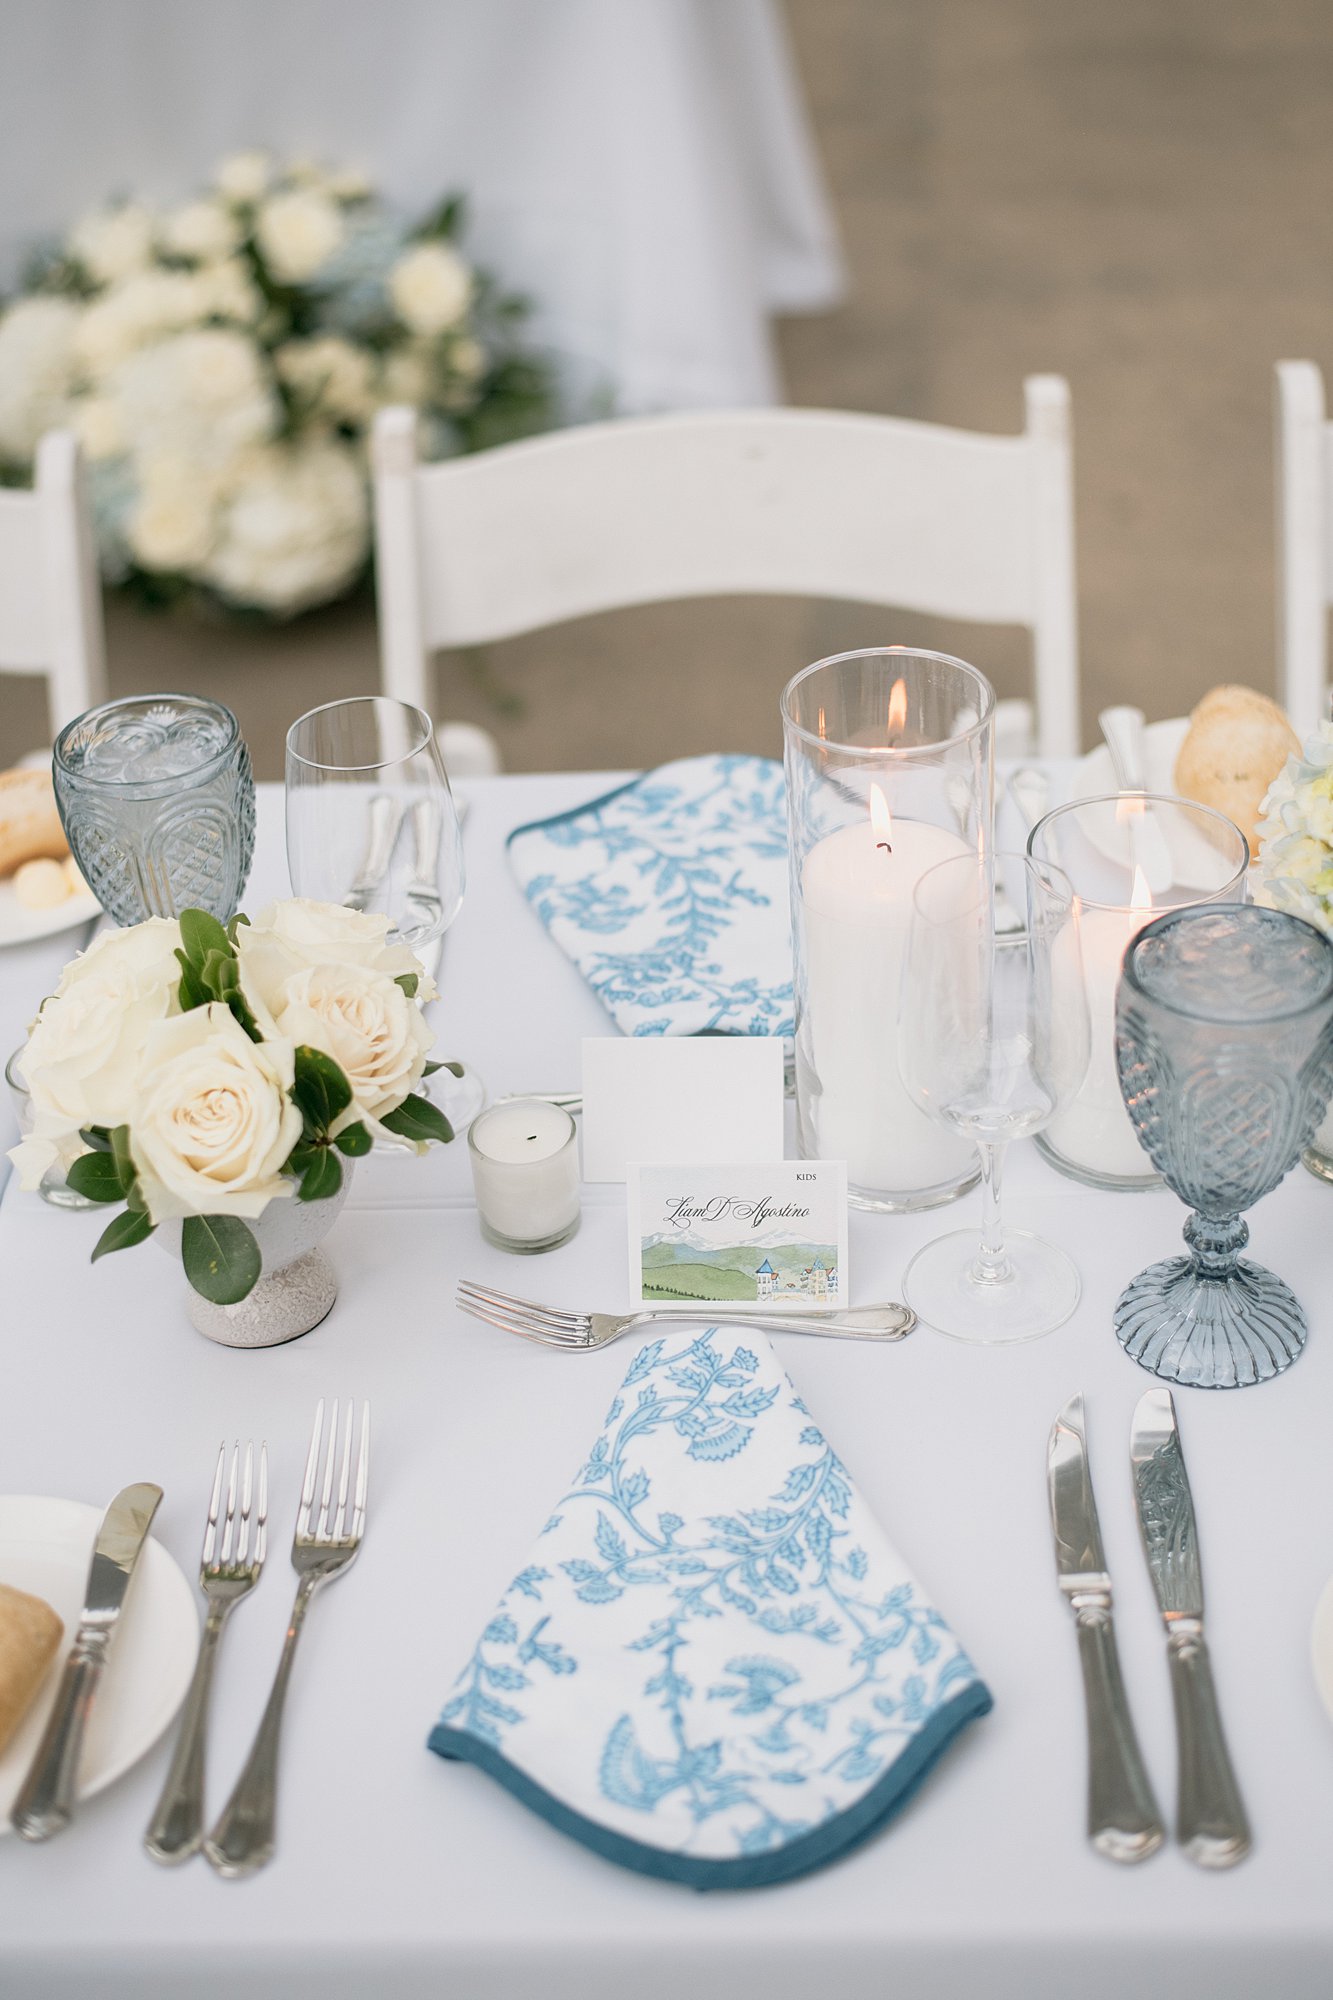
(1296, 835)
(222, 362)
(200, 1072)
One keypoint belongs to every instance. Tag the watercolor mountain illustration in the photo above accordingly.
(676, 1267)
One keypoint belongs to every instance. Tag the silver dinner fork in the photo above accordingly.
(550, 1326)
(323, 1546)
(227, 1573)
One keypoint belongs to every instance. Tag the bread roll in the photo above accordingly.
(1238, 741)
(40, 885)
(30, 827)
(30, 1634)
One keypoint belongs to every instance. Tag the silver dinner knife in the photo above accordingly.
(45, 1802)
(1123, 1821)
(1211, 1823)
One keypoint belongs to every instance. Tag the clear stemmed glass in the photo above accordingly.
(994, 1042)
(372, 824)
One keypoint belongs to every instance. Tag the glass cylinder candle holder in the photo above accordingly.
(525, 1168)
(1129, 857)
(890, 769)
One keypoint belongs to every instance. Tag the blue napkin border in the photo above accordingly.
(824, 1843)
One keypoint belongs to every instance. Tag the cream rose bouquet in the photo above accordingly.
(1296, 835)
(222, 361)
(197, 1072)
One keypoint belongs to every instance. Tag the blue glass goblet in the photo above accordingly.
(1224, 1048)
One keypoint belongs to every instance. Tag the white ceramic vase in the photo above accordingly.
(296, 1288)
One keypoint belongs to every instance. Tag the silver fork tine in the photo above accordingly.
(491, 1297)
(570, 1328)
(311, 1472)
(322, 1525)
(261, 1518)
(362, 1476)
(229, 1519)
(507, 1323)
(344, 1477)
(215, 1501)
(243, 1543)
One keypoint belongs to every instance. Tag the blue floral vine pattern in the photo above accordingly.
(773, 1655)
(671, 897)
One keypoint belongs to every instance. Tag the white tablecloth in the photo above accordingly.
(403, 1876)
(641, 168)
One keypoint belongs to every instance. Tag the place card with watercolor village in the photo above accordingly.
(730, 1238)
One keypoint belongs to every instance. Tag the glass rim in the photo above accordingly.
(146, 701)
(985, 712)
(1190, 913)
(1048, 873)
(1219, 894)
(513, 1104)
(362, 701)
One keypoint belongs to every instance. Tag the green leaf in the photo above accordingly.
(97, 1137)
(321, 1090)
(228, 986)
(202, 934)
(220, 1256)
(409, 983)
(235, 924)
(354, 1140)
(418, 1119)
(433, 1069)
(120, 1153)
(322, 1178)
(122, 1233)
(192, 991)
(96, 1177)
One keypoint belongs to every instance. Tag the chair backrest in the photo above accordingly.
(50, 604)
(1304, 453)
(875, 510)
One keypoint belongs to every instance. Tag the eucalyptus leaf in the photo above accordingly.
(122, 1233)
(191, 990)
(321, 1090)
(96, 1177)
(221, 1257)
(322, 1178)
(202, 934)
(354, 1141)
(418, 1119)
(120, 1153)
(434, 1068)
(409, 981)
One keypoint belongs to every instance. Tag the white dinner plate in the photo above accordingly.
(45, 1548)
(20, 926)
(1193, 856)
(1321, 1647)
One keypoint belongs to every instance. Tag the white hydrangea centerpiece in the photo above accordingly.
(222, 362)
(1296, 835)
(196, 1072)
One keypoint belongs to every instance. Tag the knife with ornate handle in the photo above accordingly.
(1211, 1823)
(45, 1802)
(1123, 1821)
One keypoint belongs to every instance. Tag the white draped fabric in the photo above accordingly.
(641, 168)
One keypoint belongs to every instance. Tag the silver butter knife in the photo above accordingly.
(1211, 1824)
(1123, 1821)
(45, 1802)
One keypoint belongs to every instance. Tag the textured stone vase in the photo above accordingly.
(296, 1288)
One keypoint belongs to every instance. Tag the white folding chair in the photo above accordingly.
(874, 510)
(50, 603)
(1304, 452)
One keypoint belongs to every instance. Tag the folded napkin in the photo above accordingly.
(670, 895)
(714, 1667)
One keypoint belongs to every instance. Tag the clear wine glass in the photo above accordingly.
(372, 824)
(994, 1043)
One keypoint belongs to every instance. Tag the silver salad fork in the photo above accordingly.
(551, 1326)
(226, 1574)
(323, 1546)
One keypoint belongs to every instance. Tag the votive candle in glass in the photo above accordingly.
(890, 769)
(525, 1167)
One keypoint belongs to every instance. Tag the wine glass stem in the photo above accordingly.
(992, 1266)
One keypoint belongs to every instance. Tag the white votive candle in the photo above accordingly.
(1094, 1133)
(525, 1167)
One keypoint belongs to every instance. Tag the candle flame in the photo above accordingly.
(823, 731)
(881, 819)
(897, 710)
(1141, 899)
(1129, 805)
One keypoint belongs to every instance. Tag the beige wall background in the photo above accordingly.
(1137, 195)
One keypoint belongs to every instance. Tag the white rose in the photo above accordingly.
(297, 232)
(293, 936)
(199, 396)
(367, 1024)
(349, 184)
(244, 176)
(431, 288)
(406, 377)
(173, 525)
(112, 242)
(36, 364)
(83, 1058)
(334, 375)
(142, 309)
(202, 229)
(99, 424)
(296, 527)
(467, 357)
(228, 290)
(214, 1121)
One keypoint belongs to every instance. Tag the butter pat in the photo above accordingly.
(30, 1634)
(40, 885)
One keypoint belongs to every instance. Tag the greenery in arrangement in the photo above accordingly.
(222, 362)
(1296, 835)
(197, 1072)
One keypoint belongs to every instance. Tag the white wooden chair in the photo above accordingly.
(1304, 453)
(875, 510)
(50, 603)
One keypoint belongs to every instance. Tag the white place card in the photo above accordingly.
(731, 1237)
(707, 1098)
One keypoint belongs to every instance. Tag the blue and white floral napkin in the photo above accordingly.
(670, 895)
(714, 1668)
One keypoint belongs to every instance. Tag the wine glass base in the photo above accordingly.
(1210, 1332)
(1040, 1294)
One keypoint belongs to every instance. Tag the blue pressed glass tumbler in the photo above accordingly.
(158, 804)
(1224, 1049)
